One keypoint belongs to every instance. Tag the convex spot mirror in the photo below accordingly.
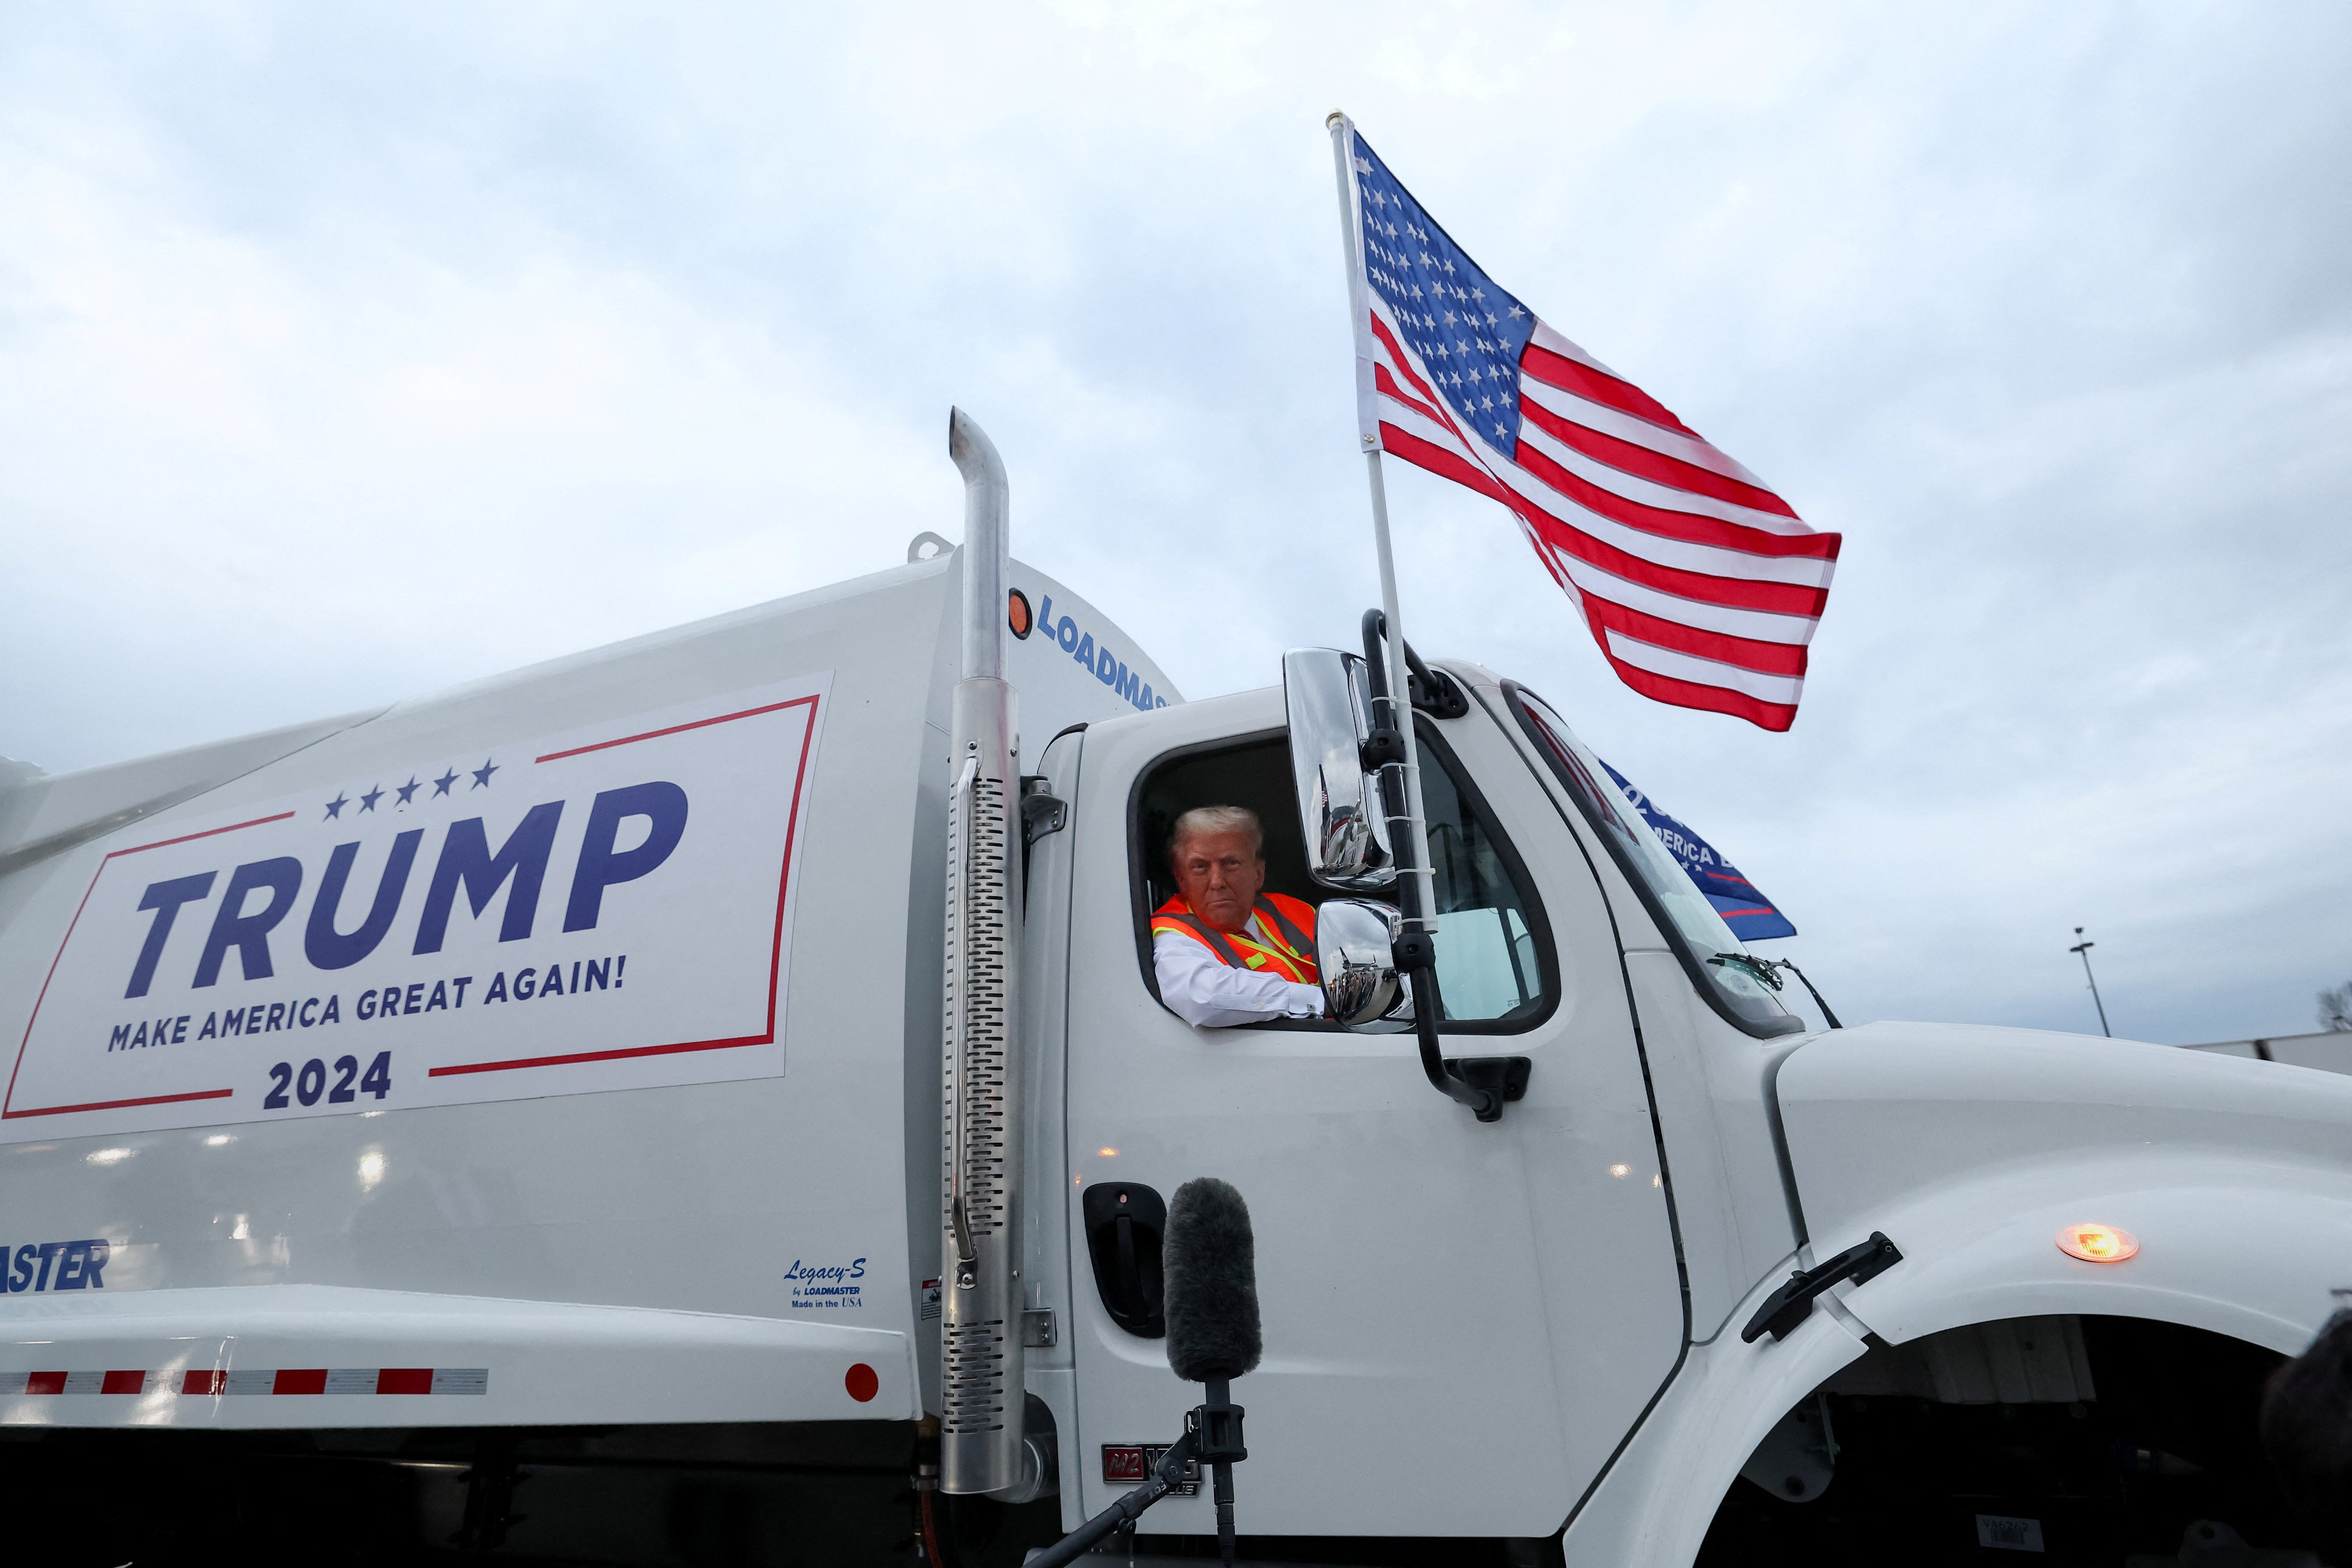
(1329, 699)
(1355, 948)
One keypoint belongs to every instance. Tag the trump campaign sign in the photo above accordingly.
(607, 908)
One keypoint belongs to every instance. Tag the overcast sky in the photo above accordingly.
(346, 354)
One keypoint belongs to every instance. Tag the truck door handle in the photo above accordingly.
(1124, 1220)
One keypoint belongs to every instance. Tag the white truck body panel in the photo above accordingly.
(557, 1363)
(607, 1207)
(41, 814)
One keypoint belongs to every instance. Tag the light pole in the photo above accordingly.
(2084, 949)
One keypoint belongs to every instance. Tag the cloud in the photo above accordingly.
(345, 355)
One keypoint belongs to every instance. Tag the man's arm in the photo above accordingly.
(1208, 995)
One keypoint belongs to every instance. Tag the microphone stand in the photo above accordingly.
(1122, 1514)
(1216, 1429)
(1213, 1437)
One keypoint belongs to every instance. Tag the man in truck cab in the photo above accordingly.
(1227, 951)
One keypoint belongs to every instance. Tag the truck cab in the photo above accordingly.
(1411, 1258)
(1555, 1319)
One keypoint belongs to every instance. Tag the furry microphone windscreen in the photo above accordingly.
(1210, 1264)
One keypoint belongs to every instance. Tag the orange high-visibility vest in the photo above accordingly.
(1285, 924)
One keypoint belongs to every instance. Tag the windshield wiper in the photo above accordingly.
(1765, 970)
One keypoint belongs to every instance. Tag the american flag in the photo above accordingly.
(1701, 586)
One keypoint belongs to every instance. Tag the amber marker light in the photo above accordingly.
(2097, 1243)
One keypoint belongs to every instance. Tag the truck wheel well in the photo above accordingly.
(2093, 1439)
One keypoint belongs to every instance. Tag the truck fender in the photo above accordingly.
(1971, 1146)
(2228, 1243)
(1654, 1503)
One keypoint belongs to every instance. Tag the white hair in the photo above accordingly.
(1218, 819)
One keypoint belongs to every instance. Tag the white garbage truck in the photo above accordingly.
(707, 1098)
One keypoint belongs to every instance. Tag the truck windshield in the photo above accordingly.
(1689, 921)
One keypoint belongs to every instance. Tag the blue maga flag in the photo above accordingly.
(1746, 910)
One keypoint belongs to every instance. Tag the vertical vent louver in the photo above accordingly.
(978, 1104)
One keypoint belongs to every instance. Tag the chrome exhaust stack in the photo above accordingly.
(983, 1389)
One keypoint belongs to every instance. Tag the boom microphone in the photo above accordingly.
(1209, 1262)
(1208, 1300)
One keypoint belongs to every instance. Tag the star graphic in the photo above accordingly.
(335, 807)
(405, 790)
(1517, 312)
(1498, 432)
(482, 774)
(441, 785)
(368, 800)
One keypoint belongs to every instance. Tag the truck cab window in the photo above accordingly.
(1682, 914)
(1495, 970)
(1489, 964)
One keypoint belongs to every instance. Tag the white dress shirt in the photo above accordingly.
(1208, 993)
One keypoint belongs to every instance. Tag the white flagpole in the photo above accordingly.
(1343, 156)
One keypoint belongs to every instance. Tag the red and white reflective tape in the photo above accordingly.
(369, 1380)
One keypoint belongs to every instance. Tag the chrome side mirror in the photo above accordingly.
(1355, 948)
(1329, 705)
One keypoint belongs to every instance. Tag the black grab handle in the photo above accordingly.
(1124, 1220)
